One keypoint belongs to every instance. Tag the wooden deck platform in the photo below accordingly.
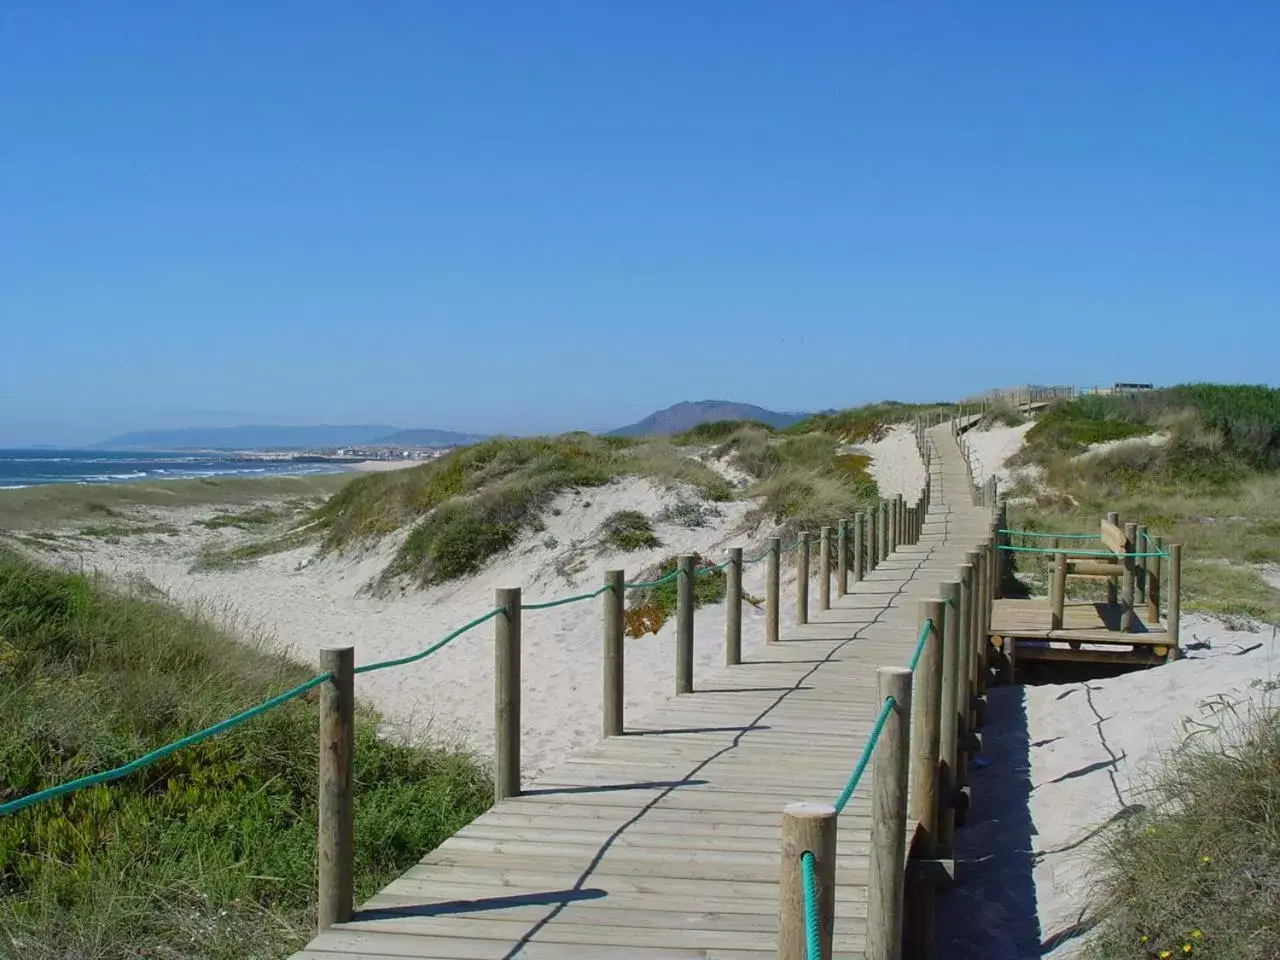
(663, 844)
(1090, 632)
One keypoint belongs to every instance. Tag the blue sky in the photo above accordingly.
(540, 216)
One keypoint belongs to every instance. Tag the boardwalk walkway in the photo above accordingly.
(663, 843)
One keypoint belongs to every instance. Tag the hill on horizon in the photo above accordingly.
(266, 436)
(690, 413)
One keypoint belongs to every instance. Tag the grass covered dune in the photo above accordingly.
(210, 852)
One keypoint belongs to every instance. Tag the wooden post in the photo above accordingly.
(1153, 584)
(925, 748)
(973, 626)
(885, 531)
(733, 609)
(1058, 591)
(336, 809)
(1112, 598)
(824, 569)
(892, 521)
(889, 767)
(1141, 565)
(842, 558)
(873, 538)
(1127, 592)
(806, 828)
(964, 667)
(802, 578)
(684, 624)
(948, 727)
(1175, 598)
(614, 663)
(859, 546)
(984, 618)
(506, 695)
(772, 588)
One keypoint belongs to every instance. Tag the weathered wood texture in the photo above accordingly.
(663, 843)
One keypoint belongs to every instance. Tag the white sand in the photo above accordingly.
(1063, 761)
(896, 466)
(303, 603)
(382, 466)
(990, 450)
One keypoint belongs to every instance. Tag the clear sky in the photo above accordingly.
(539, 216)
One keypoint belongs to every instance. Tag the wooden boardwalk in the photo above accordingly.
(664, 843)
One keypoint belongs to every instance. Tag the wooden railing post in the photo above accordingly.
(1112, 598)
(986, 566)
(873, 538)
(824, 569)
(859, 546)
(806, 828)
(614, 663)
(842, 558)
(893, 525)
(1058, 591)
(973, 627)
(506, 699)
(889, 768)
(733, 609)
(335, 814)
(1141, 565)
(1175, 599)
(885, 542)
(802, 578)
(684, 623)
(964, 667)
(1127, 594)
(949, 726)
(772, 589)
(1153, 584)
(925, 750)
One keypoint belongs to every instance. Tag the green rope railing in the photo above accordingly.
(1053, 536)
(812, 921)
(422, 654)
(548, 604)
(1079, 553)
(925, 629)
(861, 766)
(71, 786)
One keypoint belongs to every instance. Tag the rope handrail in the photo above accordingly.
(548, 604)
(1054, 536)
(1081, 553)
(865, 758)
(105, 776)
(812, 922)
(925, 629)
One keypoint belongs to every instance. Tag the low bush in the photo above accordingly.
(630, 530)
(649, 608)
(213, 845)
(1197, 872)
(717, 431)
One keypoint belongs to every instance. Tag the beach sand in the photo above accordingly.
(301, 602)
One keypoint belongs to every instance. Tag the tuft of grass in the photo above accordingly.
(114, 532)
(648, 609)
(718, 431)
(1197, 873)
(865, 423)
(630, 530)
(1001, 413)
(215, 844)
(260, 516)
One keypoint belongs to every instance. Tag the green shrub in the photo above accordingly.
(214, 844)
(1197, 873)
(630, 530)
(717, 431)
(649, 608)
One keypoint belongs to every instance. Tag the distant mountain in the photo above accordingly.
(430, 438)
(688, 414)
(276, 438)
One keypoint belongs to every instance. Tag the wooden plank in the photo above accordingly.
(1113, 537)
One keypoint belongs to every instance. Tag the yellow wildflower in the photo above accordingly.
(1166, 954)
(1205, 859)
(1143, 939)
(1196, 934)
(1186, 948)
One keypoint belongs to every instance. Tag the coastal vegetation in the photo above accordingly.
(1198, 464)
(209, 852)
(1196, 872)
(648, 608)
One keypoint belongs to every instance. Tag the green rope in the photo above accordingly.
(757, 559)
(812, 921)
(1080, 553)
(865, 758)
(647, 584)
(13, 806)
(925, 629)
(1055, 536)
(548, 604)
(447, 639)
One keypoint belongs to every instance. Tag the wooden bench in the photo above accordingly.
(1117, 569)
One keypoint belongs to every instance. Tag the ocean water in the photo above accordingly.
(25, 468)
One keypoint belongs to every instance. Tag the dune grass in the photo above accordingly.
(649, 608)
(865, 423)
(59, 504)
(630, 530)
(475, 502)
(1197, 873)
(209, 853)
